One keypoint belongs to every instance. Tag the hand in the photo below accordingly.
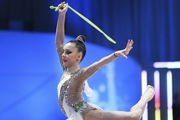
(63, 8)
(125, 51)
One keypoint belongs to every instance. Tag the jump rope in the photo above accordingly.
(57, 8)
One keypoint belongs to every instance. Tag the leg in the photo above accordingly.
(113, 115)
(145, 98)
(135, 113)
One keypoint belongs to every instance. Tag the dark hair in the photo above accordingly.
(79, 44)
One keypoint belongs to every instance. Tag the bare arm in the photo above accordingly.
(115, 55)
(105, 60)
(60, 30)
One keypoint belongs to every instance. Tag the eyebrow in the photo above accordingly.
(66, 49)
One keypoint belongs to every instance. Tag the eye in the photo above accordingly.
(68, 52)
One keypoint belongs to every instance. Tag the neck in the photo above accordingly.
(72, 69)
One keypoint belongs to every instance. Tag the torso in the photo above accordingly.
(70, 90)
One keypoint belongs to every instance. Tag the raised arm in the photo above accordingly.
(60, 30)
(105, 60)
(115, 55)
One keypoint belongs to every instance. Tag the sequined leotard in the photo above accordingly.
(70, 97)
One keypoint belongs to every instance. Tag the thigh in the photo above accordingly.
(112, 115)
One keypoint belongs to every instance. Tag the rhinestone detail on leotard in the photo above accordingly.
(64, 92)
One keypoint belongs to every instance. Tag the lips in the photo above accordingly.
(64, 60)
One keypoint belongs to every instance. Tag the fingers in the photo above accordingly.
(130, 42)
(128, 46)
(123, 55)
(63, 6)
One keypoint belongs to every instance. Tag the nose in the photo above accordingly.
(63, 54)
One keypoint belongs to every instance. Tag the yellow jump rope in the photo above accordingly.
(86, 19)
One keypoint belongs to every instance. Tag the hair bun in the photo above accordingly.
(81, 38)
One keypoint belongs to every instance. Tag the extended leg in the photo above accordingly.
(135, 113)
(113, 115)
(145, 98)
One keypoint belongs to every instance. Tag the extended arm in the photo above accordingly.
(105, 60)
(60, 30)
(114, 55)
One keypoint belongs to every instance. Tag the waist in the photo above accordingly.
(72, 106)
(76, 104)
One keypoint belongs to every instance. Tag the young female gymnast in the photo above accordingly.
(73, 80)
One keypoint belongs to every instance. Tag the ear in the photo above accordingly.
(80, 55)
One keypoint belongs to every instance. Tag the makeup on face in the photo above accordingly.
(67, 52)
(69, 48)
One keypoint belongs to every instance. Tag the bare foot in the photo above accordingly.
(149, 93)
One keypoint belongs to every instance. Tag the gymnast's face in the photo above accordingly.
(70, 56)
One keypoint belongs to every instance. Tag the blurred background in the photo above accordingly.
(30, 70)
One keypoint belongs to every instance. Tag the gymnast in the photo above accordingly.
(73, 80)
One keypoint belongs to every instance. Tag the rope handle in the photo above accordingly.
(85, 19)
